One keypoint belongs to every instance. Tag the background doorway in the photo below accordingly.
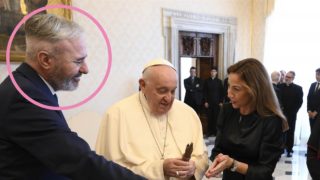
(199, 50)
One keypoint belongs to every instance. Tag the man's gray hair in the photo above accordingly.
(275, 76)
(51, 28)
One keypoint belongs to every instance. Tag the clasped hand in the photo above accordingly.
(219, 164)
(313, 114)
(175, 167)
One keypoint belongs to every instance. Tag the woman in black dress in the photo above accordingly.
(250, 128)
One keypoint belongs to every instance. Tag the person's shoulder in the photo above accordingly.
(8, 94)
(181, 106)
(281, 85)
(227, 109)
(275, 87)
(127, 102)
(197, 78)
(9, 90)
(271, 117)
(297, 86)
(272, 121)
(227, 106)
(207, 80)
(6, 86)
(181, 109)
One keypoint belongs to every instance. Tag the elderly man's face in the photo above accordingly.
(159, 89)
(289, 78)
(69, 64)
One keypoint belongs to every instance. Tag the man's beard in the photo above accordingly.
(58, 82)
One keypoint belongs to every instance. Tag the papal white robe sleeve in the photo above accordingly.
(126, 137)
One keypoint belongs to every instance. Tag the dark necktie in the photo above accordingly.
(55, 98)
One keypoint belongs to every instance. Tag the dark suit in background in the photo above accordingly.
(194, 94)
(313, 152)
(292, 95)
(313, 102)
(213, 95)
(278, 94)
(37, 144)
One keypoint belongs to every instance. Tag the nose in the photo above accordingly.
(84, 68)
(168, 97)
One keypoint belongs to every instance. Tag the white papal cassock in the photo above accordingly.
(135, 139)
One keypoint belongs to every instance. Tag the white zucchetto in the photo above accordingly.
(157, 62)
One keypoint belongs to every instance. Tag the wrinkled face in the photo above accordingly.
(318, 76)
(238, 92)
(159, 87)
(69, 65)
(289, 78)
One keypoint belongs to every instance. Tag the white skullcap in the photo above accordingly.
(158, 62)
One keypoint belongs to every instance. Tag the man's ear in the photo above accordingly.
(44, 59)
(142, 84)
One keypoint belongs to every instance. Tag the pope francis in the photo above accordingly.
(148, 131)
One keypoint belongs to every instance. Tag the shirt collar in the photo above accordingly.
(144, 102)
(49, 86)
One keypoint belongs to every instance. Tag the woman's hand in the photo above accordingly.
(219, 164)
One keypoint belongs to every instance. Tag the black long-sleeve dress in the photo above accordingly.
(250, 139)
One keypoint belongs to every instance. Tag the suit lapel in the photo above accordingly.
(36, 80)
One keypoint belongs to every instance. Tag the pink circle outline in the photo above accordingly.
(23, 20)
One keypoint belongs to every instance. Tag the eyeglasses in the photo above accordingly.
(289, 77)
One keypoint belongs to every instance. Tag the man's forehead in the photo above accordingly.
(158, 62)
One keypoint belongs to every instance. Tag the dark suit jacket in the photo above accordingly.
(278, 94)
(313, 152)
(313, 99)
(292, 98)
(36, 143)
(314, 142)
(193, 91)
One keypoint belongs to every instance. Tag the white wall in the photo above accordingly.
(135, 31)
